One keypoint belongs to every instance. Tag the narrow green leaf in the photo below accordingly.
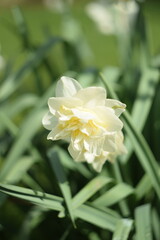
(20, 104)
(144, 98)
(118, 176)
(114, 195)
(155, 223)
(89, 190)
(143, 187)
(6, 123)
(140, 145)
(123, 229)
(143, 222)
(62, 180)
(29, 128)
(19, 169)
(143, 152)
(102, 218)
(31, 183)
(36, 197)
(96, 216)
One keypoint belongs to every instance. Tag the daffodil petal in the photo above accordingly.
(56, 103)
(92, 96)
(109, 143)
(57, 134)
(116, 105)
(94, 145)
(98, 162)
(67, 87)
(110, 121)
(89, 157)
(49, 121)
(83, 115)
(78, 156)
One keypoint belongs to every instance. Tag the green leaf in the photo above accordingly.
(6, 123)
(28, 130)
(29, 127)
(62, 180)
(123, 229)
(89, 190)
(36, 197)
(143, 153)
(143, 187)
(114, 195)
(143, 222)
(20, 104)
(140, 145)
(143, 101)
(97, 217)
(155, 220)
(103, 218)
(19, 169)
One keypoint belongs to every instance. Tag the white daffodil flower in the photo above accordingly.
(113, 18)
(89, 121)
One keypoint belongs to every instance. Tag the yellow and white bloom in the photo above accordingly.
(89, 121)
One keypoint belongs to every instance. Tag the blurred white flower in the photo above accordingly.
(113, 18)
(102, 16)
(57, 5)
(89, 121)
(54, 5)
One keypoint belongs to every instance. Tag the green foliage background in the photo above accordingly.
(44, 194)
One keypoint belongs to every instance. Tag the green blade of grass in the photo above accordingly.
(89, 190)
(114, 195)
(143, 222)
(123, 229)
(39, 198)
(142, 150)
(62, 180)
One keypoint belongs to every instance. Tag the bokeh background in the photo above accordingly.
(44, 17)
(39, 42)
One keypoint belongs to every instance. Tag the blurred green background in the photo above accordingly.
(42, 21)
